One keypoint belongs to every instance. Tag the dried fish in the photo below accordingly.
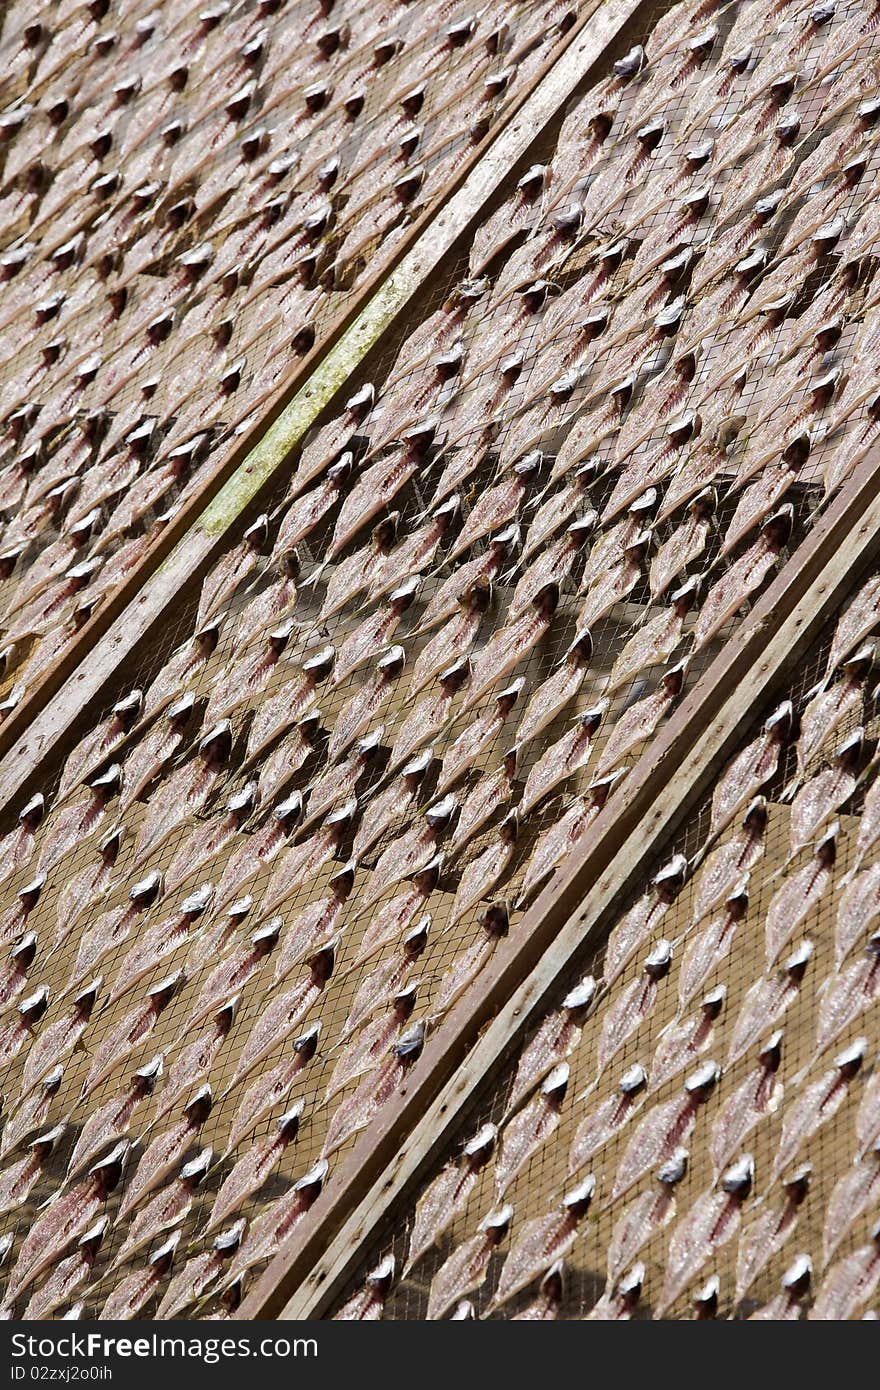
(112, 928)
(207, 841)
(847, 994)
(452, 643)
(17, 1180)
(67, 1275)
(409, 853)
(632, 1005)
(638, 722)
(816, 1105)
(467, 1266)
(687, 542)
(759, 1095)
(768, 1230)
(825, 793)
(14, 976)
(385, 808)
(136, 1291)
(768, 999)
(368, 1303)
(853, 1193)
(75, 824)
(31, 1113)
(185, 792)
(170, 1206)
(608, 1118)
(643, 917)
(85, 890)
(275, 1024)
(446, 1196)
(655, 641)
(619, 1304)
(741, 579)
(17, 846)
(542, 1242)
(159, 942)
(831, 705)
(857, 623)
(556, 1038)
(132, 1029)
(375, 632)
(531, 1127)
(233, 971)
(850, 1283)
(259, 850)
(91, 751)
(163, 1154)
(60, 1039)
(193, 1063)
(645, 1215)
(709, 1225)
(563, 758)
(796, 899)
(14, 924)
(476, 738)
(231, 571)
(787, 1306)
(557, 691)
(664, 1129)
(362, 1106)
(868, 1115)
(682, 1040)
(358, 713)
(292, 701)
(373, 1041)
(112, 1120)
(467, 965)
(377, 987)
(492, 791)
(750, 770)
(254, 1168)
(727, 868)
(545, 1305)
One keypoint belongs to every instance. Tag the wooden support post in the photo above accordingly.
(312, 1268)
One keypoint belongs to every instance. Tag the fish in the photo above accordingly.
(259, 850)
(289, 756)
(114, 927)
(611, 583)
(325, 443)
(302, 863)
(474, 577)
(758, 1096)
(543, 1239)
(750, 770)
(545, 1305)
(768, 999)
(168, 1208)
(367, 1305)
(632, 1005)
(713, 1220)
(210, 839)
(73, 825)
(621, 1302)
(686, 544)
(868, 1115)
(361, 570)
(378, 986)
(555, 1039)
(844, 996)
(787, 1306)
(857, 623)
(270, 606)
(133, 1029)
(378, 485)
(185, 792)
(559, 507)
(607, 1118)
(337, 783)
(684, 1039)
(447, 1195)
(86, 888)
(14, 924)
(817, 1104)
(357, 714)
(645, 1215)
(359, 1109)
(832, 705)
(713, 944)
(453, 642)
(825, 792)
(654, 642)
(476, 738)
(17, 846)
(665, 1128)
(499, 506)
(741, 579)
(552, 566)
(427, 718)
(795, 900)
(374, 1039)
(275, 1221)
(195, 1279)
(531, 1127)
(231, 570)
(852, 1194)
(183, 668)
(466, 966)
(491, 791)
(233, 970)
(163, 1154)
(275, 1023)
(511, 644)
(61, 1224)
(15, 975)
(195, 1059)
(375, 632)
(562, 759)
(410, 852)
(103, 740)
(279, 711)
(126, 1300)
(641, 920)
(393, 918)
(768, 1230)
(18, 1178)
(254, 1168)
(247, 674)
(466, 1268)
(55, 1043)
(557, 691)
(67, 1275)
(314, 924)
(31, 1113)
(415, 551)
(727, 868)
(850, 1283)
(159, 942)
(484, 873)
(112, 1120)
(637, 723)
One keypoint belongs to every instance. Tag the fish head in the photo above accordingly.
(446, 513)
(162, 993)
(162, 1258)
(257, 533)
(533, 295)
(24, 950)
(320, 665)
(309, 726)
(195, 904)
(510, 762)
(279, 637)
(659, 960)
(673, 679)
(44, 1143)
(687, 594)
(216, 746)
(780, 721)
(795, 965)
(737, 1180)
(633, 1080)
(629, 1287)
(463, 1311)
(146, 891)
(52, 1080)
(409, 1047)
(32, 811)
(90, 1240)
(701, 1082)
(797, 1278)
(579, 999)
(590, 719)
(673, 1171)
(322, 961)
(631, 64)
(416, 938)
(196, 1169)
(342, 881)
(289, 812)
(849, 1061)
(29, 894)
(31, 1009)
(198, 1107)
(310, 1184)
(556, 1084)
(128, 709)
(306, 1045)
(770, 1054)
(712, 1003)
(108, 1170)
(669, 879)
(342, 816)
(796, 1185)
(496, 919)
(288, 1123)
(509, 827)
(150, 1072)
(452, 679)
(600, 789)
(427, 875)
(265, 937)
(860, 663)
(109, 844)
(405, 592)
(576, 1203)
(496, 1225)
(207, 636)
(478, 1150)
(241, 907)
(621, 391)
(849, 752)
(755, 818)
(380, 1278)
(705, 1300)
(392, 662)
(828, 235)
(507, 698)
(441, 813)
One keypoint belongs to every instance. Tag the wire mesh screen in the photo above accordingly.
(404, 691)
(711, 1149)
(190, 197)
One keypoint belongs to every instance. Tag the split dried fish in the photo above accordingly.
(664, 1129)
(363, 1105)
(467, 965)
(531, 1127)
(683, 1040)
(645, 1215)
(825, 793)
(169, 1208)
(272, 1088)
(741, 579)
(751, 769)
(447, 1195)
(18, 1179)
(542, 1242)
(112, 1120)
(67, 1275)
(817, 1104)
(846, 995)
(638, 722)
(133, 1029)
(91, 751)
(254, 1168)
(135, 1292)
(368, 1303)
(608, 1118)
(384, 979)
(768, 1230)
(563, 758)
(758, 1096)
(643, 918)
(709, 1225)
(359, 712)
(163, 1154)
(557, 691)
(60, 1039)
(492, 791)
(275, 1024)
(850, 1283)
(853, 1193)
(31, 1113)
(727, 869)
(768, 999)
(233, 971)
(366, 1050)
(467, 1266)
(632, 1005)
(112, 928)
(796, 899)
(159, 942)
(231, 571)
(556, 1039)
(410, 852)
(194, 1061)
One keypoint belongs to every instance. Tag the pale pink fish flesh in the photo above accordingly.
(643, 918)
(475, 739)
(164, 1153)
(750, 769)
(67, 1275)
(849, 1284)
(169, 1208)
(234, 970)
(858, 1189)
(466, 1268)
(758, 1096)
(868, 1115)
(531, 1127)
(393, 918)
(386, 808)
(137, 1289)
(767, 1000)
(362, 1106)
(467, 965)
(159, 942)
(32, 1113)
(56, 1042)
(556, 1038)
(816, 1105)
(681, 1043)
(384, 979)
(303, 862)
(483, 874)
(562, 759)
(709, 1225)
(87, 888)
(130, 1032)
(317, 922)
(858, 911)
(846, 995)
(358, 713)
(644, 1216)
(711, 947)
(545, 1305)
(368, 1304)
(728, 866)
(768, 1230)
(409, 853)
(557, 691)
(640, 720)
(18, 1178)
(272, 1225)
(797, 898)
(824, 794)
(254, 1168)
(543, 1241)
(633, 1004)
(275, 1024)
(608, 1118)
(664, 1129)
(112, 1120)
(88, 755)
(859, 620)
(447, 1195)
(492, 791)
(869, 824)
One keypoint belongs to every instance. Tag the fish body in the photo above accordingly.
(541, 1243)
(638, 722)
(466, 1268)
(644, 1216)
(758, 1096)
(386, 978)
(664, 1129)
(271, 1227)
(112, 1120)
(530, 1127)
(446, 1196)
(59, 1040)
(557, 691)
(857, 1190)
(272, 1088)
(28, 1117)
(316, 923)
(483, 874)
(767, 1000)
(377, 1088)
(167, 1209)
(607, 1119)
(848, 1285)
(134, 1292)
(233, 971)
(277, 1022)
(749, 770)
(492, 791)
(130, 1032)
(562, 759)
(816, 1105)
(358, 713)
(67, 1275)
(163, 1155)
(709, 1225)
(727, 868)
(195, 1059)
(682, 1041)
(767, 1231)
(18, 1178)
(632, 1005)
(253, 1168)
(642, 918)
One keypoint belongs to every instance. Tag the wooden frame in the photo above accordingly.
(74, 682)
(304, 1277)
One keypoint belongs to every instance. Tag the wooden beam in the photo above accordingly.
(29, 735)
(310, 1271)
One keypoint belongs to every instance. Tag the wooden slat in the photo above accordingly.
(307, 1274)
(186, 546)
